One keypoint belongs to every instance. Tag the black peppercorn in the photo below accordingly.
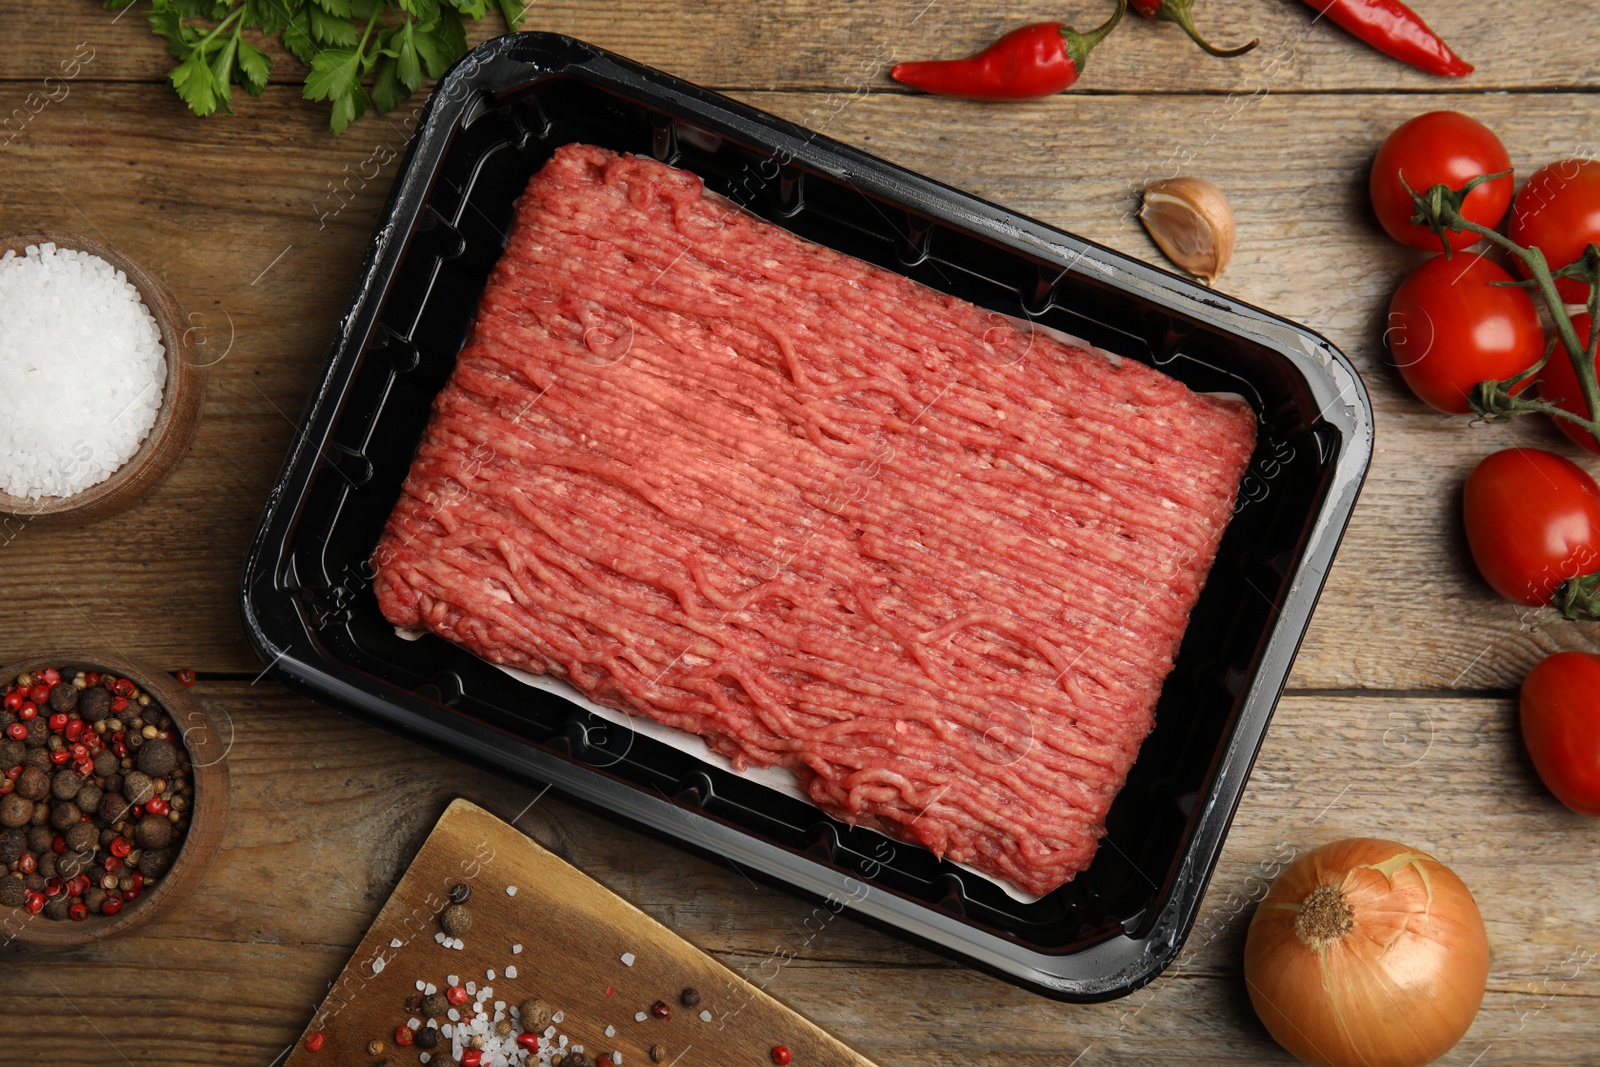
(35, 882)
(82, 837)
(154, 831)
(33, 784)
(39, 759)
(426, 1038)
(47, 864)
(66, 784)
(41, 815)
(155, 862)
(71, 864)
(88, 797)
(460, 892)
(94, 704)
(113, 809)
(455, 920)
(106, 762)
(93, 897)
(133, 741)
(12, 891)
(113, 781)
(13, 843)
(39, 838)
(158, 757)
(435, 1006)
(11, 753)
(65, 815)
(689, 997)
(578, 1059)
(15, 810)
(38, 734)
(56, 907)
(63, 698)
(137, 787)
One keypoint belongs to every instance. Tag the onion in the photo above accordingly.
(1366, 953)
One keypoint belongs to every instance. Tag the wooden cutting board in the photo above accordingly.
(574, 934)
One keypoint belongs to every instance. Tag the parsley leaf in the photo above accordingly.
(362, 54)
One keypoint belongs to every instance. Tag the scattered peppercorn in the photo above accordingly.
(689, 997)
(314, 1042)
(404, 1036)
(660, 1010)
(456, 995)
(460, 892)
(434, 1006)
(535, 1014)
(186, 678)
(427, 1038)
(455, 920)
(577, 1059)
(780, 1055)
(374, 1047)
(503, 1028)
(658, 1052)
(604, 1060)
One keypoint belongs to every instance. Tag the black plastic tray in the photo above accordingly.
(311, 616)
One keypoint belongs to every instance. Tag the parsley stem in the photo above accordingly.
(233, 16)
(361, 49)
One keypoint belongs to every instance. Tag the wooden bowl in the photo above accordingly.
(176, 422)
(207, 750)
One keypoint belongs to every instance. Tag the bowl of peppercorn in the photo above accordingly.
(113, 795)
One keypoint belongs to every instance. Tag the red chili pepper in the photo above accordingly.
(1395, 30)
(1029, 62)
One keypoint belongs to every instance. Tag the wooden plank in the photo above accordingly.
(258, 228)
(1518, 44)
(597, 962)
(329, 812)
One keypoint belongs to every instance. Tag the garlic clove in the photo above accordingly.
(1192, 223)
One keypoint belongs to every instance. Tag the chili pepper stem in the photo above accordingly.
(1080, 44)
(1181, 14)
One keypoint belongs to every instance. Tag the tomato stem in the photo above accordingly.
(1440, 209)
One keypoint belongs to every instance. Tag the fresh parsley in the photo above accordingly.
(362, 53)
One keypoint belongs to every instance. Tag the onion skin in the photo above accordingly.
(1397, 985)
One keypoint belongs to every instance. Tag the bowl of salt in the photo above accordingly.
(101, 388)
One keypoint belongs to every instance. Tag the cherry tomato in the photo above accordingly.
(1558, 212)
(1451, 327)
(1558, 383)
(1441, 147)
(1533, 521)
(1561, 726)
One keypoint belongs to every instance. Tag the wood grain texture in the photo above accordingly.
(327, 813)
(795, 44)
(588, 954)
(258, 222)
(264, 259)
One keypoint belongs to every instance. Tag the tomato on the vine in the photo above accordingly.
(1561, 727)
(1533, 522)
(1558, 212)
(1439, 148)
(1451, 327)
(1558, 383)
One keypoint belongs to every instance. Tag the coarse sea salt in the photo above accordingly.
(82, 369)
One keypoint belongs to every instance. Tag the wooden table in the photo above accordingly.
(1400, 717)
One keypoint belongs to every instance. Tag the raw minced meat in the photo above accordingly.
(935, 563)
